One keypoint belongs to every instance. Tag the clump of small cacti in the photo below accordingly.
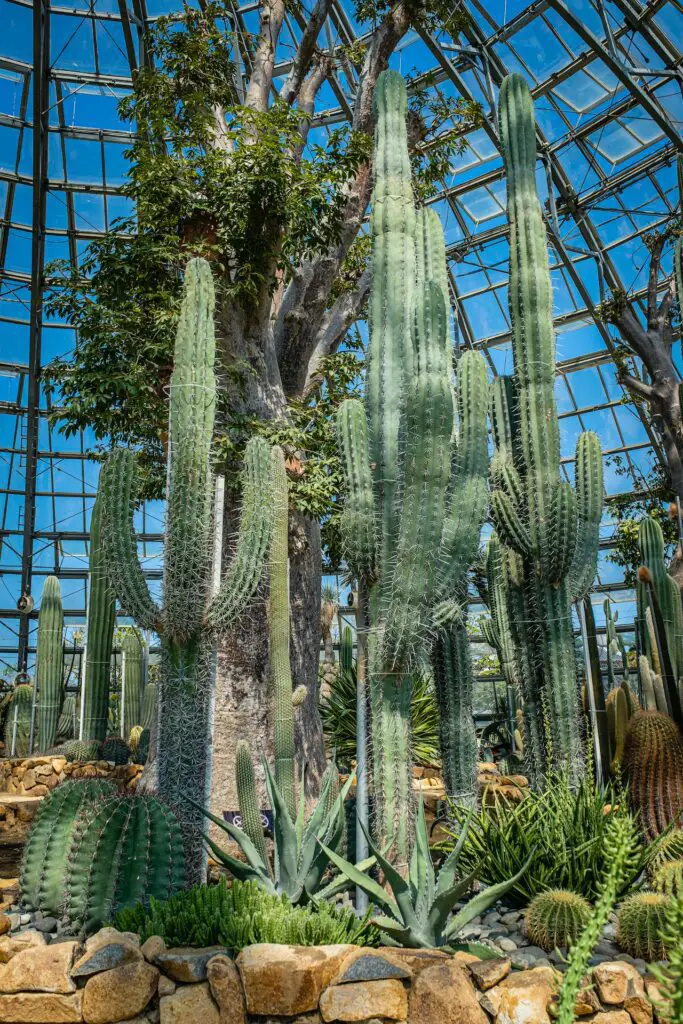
(653, 766)
(125, 850)
(114, 749)
(49, 662)
(669, 878)
(640, 921)
(18, 721)
(45, 854)
(556, 918)
(81, 750)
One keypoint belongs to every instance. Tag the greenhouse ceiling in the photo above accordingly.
(606, 78)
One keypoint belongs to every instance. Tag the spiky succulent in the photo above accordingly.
(668, 847)
(556, 918)
(81, 750)
(114, 749)
(641, 920)
(669, 878)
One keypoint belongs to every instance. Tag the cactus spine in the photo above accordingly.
(18, 721)
(190, 620)
(411, 502)
(133, 681)
(100, 633)
(640, 923)
(550, 527)
(49, 662)
(653, 765)
(126, 850)
(556, 918)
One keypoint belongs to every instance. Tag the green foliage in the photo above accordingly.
(338, 712)
(556, 917)
(562, 829)
(242, 915)
(628, 513)
(418, 912)
(640, 925)
(670, 975)
(115, 749)
(621, 856)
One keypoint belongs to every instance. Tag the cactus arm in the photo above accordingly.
(508, 523)
(190, 492)
(117, 485)
(247, 799)
(244, 574)
(100, 633)
(562, 538)
(390, 353)
(134, 681)
(49, 662)
(589, 499)
(392, 762)
(454, 683)
(358, 515)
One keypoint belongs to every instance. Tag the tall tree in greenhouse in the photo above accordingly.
(228, 164)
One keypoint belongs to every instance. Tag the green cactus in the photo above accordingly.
(278, 620)
(134, 738)
(125, 850)
(640, 922)
(49, 662)
(654, 697)
(100, 632)
(67, 723)
(247, 798)
(346, 650)
(669, 847)
(556, 918)
(416, 499)
(550, 527)
(142, 752)
(81, 750)
(660, 616)
(668, 879)
(653, 767)
(149, 705)
(43, 867)
(190, 620)
(18, 721)
(133, 681)
(114, 749)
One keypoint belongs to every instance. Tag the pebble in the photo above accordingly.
(15, 920)
(507, 945)
(25, 919)
(46, 924)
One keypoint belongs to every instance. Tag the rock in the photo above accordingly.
(638, 1007)
(465, 958)
(487, 973)
(46, 924)
(48, 1008)
(490, 1001)
(226, 989)
(153, 947)
(40, 969)
(612, 982)
(586, 1001)
(506, 944)
(165, 987)
(187, 964)
(106, 935)
(525, 997)
(5, 924)
(105, 958)
(287, 979)
(611, 1017)
(190, 1004)
(415, 960)
(443, 994)
(120, 993)
(14, 921)
(10, 945)
(369, 965)
(357, 1001)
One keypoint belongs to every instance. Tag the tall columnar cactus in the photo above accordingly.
(653, 766)
(125, 850)
(149, 705)
(346, 650)
(416, 496)
(100, 632)
(551, 529)
(49, 662)
(18, 721)
(43, 867)
(133, 681)
(278, 620)
(190, 619)
(67, 724)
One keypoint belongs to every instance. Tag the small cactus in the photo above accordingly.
(67, 724)
(142, 753)
(81, 750)
(668, 879)
(556, 918)
(44, 862)
(640, 921)
(115, 749)
(653, 766)
(126, 850)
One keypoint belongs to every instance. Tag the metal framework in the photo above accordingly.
(607, 79)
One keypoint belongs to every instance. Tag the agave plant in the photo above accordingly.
(299, 863)
(418, 914)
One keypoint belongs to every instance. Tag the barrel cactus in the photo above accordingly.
(114, 749)
(669, 878)
(556, 918)
(668, 847)
(81, 750)
(49, 662)
(67, 724)
(653, 766)
(125, 850)
(44, 862)
(18, 721)
(640, 923)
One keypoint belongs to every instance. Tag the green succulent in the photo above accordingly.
(556, 918)
(417, 913)
(668, 847)
(640, 925)
(669, 976)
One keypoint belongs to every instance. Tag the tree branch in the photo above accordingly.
(638, 387)
(305, 52)
(271, 17)
(335, 324)
(652, 285)
(307, 94)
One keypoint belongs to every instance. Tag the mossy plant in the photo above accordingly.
(556, 918)
(641, 920)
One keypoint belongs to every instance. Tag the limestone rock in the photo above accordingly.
(443, 994)
(10, 945)
(46, 1007)
(415, 960)
(189, 1004)
(226, 989)
(120, 993)
(611, 1017)
(40, 969)
(638, 1007)
(361, 1000)
(287, 979)
(153, 947)
(525, 997)
(463, 957)
(107, 935)
(187, 964)
(612, 982)
(5, 924)
(105, 958)
(490, 1001)
(165, 987)
(370, 965)
(487, 973)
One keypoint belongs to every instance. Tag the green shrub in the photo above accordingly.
(242, 915)
(561, 829)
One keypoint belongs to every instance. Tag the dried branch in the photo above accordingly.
(305, 53)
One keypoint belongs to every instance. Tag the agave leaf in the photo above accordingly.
(284, 838)
(248, 848)
(368, 885)
(444, 903)
(399, 886)
(450, 865)
(403, 936)
(341, 882)
(476, 949)
(482, 901)
(301, 813)
(424, 888)
(244, 872)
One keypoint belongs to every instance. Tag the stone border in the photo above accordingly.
(36, 776)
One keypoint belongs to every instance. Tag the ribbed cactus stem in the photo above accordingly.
(100, 634)
(653, 766)
(149, 706)
(49, 662)
(346, 650)
(279, 636)
(18, 721)
(358, 515)
(67, 724)
(247, 798)
(556, 918)
(133, 681)
(640, 924)
(454, 682)
(589, 499)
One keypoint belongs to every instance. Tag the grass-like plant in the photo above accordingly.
(560, 833)
(241, 915)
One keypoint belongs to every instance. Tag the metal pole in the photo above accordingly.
(362, 801)
(599, 772)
